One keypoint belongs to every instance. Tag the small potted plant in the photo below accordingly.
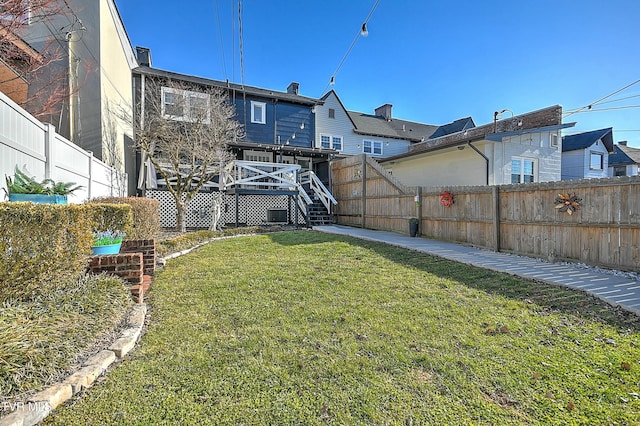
(107, 242)
(25, 188)
(413, 226)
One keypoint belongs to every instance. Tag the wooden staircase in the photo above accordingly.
(318, 215)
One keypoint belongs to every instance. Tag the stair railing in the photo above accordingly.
(318, 189)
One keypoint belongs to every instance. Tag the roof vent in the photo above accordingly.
(384, 111)
(294, 88)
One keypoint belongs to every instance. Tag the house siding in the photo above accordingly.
(576, 164)
(535, 146)
(452, 167)
(282, 120)
(341, 125)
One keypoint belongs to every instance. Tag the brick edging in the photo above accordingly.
(38, 406)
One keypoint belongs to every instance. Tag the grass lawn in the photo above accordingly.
(308, 328)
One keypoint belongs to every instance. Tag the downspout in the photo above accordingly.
(483, 156)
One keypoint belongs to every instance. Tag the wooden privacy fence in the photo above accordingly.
(521, 219)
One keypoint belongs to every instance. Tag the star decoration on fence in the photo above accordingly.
(568, 203)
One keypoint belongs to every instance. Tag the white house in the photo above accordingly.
(520, 149)
(586, 155)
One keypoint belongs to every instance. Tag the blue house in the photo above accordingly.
(625, 161)
(585, 155)
(279, 125)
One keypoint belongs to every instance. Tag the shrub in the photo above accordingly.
(111, 217)
(42, 246)
(146, 215)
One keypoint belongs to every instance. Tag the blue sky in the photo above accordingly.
(434, 61)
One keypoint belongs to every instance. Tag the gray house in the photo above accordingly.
(585, 155)
(379, 135)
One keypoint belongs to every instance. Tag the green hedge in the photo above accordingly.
(42, 246)
(111, 217)
(146, 215)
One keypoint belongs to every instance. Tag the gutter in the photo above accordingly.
(486, 159)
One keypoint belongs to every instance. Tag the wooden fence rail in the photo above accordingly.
(520, 219)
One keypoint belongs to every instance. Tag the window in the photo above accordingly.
(332, 113)
(325, 141)
(620, 170)
(184, 105)
(337, 143)
(258, 112)
(331, 142)
(553, 141)
(372, 147)
(596, 161)
(523, 170)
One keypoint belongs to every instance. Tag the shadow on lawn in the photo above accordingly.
(549, 297)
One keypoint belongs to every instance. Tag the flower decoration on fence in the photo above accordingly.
(568, 203)
(446, 199)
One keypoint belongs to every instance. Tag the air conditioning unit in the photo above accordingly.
(277, 215)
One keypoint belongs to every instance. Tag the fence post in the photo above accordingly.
(49, 134)
(495, 190)
(364, 190)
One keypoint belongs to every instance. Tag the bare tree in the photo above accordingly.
(185, 132)
(43, 69)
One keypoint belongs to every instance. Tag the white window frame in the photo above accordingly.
(600, 155)
(334, 141)
(534, 165)
(553, 140)
(371, 149)
(186, 96)
(259, 118)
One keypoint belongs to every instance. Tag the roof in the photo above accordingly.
(624, 155)
(455, 126)
(545, 119)
(586, 139)
(256, 91)
(375, 125)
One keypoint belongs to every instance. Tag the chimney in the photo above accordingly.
(143, 55)
(293, 88)
(622, 143)
(384, 111)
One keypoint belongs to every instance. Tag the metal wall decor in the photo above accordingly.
(568, 203)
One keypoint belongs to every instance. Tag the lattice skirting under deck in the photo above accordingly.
(252, 209)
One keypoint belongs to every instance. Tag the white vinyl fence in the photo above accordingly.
(29, 144)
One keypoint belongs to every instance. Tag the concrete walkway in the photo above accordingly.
(617, 290)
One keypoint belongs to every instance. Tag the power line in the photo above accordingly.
(612, 108)
(361, 31)
(241, 42)
(224, 62)
(620, 99)
(590, 106)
